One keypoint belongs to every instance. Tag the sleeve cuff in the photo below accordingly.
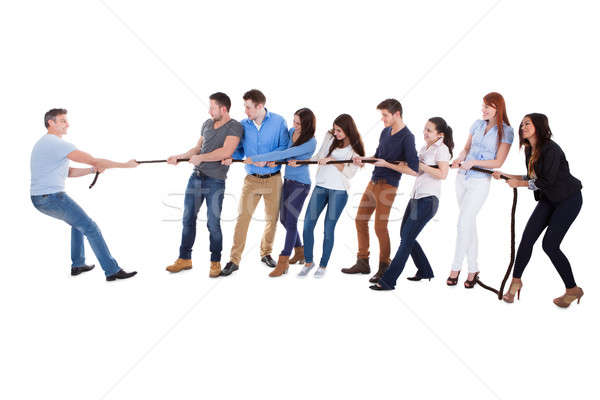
(531, 185)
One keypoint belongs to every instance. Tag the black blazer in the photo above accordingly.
(554, 181)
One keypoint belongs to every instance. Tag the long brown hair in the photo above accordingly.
(308, 123)
(542, 133)
(346, 124)
(496, 100)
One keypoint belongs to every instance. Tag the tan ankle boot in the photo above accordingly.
(281, 267)
(180, 265)
(298, 256)
(215, 269)
(570, 296)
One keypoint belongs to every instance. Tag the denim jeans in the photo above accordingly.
(418, 213)
(61, 206)
(335, 200)
(201, 187)
(293, 195)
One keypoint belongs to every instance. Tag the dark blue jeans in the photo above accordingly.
(557, 218)
(418, 213)
(61, 206)
(201, 187)
(293, 195)
(335, 201)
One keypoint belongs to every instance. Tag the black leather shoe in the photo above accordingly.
(417, 278)
(377, 286)
(268, 261)
(80, 269)
(229, 268)
(121, 275)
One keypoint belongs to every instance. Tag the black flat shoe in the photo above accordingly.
(80, 269)
(417, 278)
(121, 275)
(378, 287)
(230, 267)
(268, 261)
(469, 284)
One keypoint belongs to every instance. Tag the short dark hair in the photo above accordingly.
(256, 96)
(221, 99)
(391, 105)
(52, 114)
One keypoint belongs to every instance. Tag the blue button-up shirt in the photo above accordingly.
(271, 136)
(484, 146)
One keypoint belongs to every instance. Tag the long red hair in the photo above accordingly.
(496, 100)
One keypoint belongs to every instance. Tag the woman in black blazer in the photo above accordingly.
(558, 194)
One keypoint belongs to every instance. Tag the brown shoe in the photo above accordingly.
(215, 269)
(298, 256)
(361, 267)
(180, 265)
(382, 268)
(281, 267)
(570, 296)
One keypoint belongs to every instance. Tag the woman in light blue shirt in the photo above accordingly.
(296, 184)
(487, 147)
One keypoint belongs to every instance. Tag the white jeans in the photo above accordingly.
(471, 194)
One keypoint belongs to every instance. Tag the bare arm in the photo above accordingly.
(77, 172)
(463, 154)
(402, 167)
(439, 173)
(188, 154)
(98, 163)
(229, 146)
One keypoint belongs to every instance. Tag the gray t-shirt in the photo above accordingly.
(213, 139)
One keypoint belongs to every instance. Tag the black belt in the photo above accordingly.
(266, 175)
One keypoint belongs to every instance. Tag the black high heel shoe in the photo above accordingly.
(469, 284)
(452, 281)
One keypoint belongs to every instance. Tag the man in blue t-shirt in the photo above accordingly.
(396, 143)
(49, 169)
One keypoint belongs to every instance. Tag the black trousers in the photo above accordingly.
(557, 218)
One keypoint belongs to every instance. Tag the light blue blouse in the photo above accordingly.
(301, 152)
(484, 146)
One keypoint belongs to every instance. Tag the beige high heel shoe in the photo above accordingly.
(570, 296)
(515, 288)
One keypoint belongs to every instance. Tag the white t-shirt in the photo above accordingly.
(425, 184)
(328, 176)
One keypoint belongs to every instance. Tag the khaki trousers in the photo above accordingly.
(254, 188)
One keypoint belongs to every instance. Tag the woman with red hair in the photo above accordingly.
(487, 147)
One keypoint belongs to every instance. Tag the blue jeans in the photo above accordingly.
(200, 188)
(418, 213)
(61, 206)
(335, 200)
(293, 195)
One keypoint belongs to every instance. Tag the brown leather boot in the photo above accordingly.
(298, 256)
(281, 267)
(383, 266)
(215, 269)
(180, 265)
(361, 267)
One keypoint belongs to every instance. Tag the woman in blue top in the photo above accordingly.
(296, 185)
(487, 147)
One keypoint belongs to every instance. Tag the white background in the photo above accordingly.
(135, 77)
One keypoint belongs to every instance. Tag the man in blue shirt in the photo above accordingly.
(264, 132)
(396, 143)
(49, 169)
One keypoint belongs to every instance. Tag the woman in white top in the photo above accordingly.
(423, 203)
(342, 142)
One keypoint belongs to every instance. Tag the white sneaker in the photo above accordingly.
(305, 270)
(320, 272)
